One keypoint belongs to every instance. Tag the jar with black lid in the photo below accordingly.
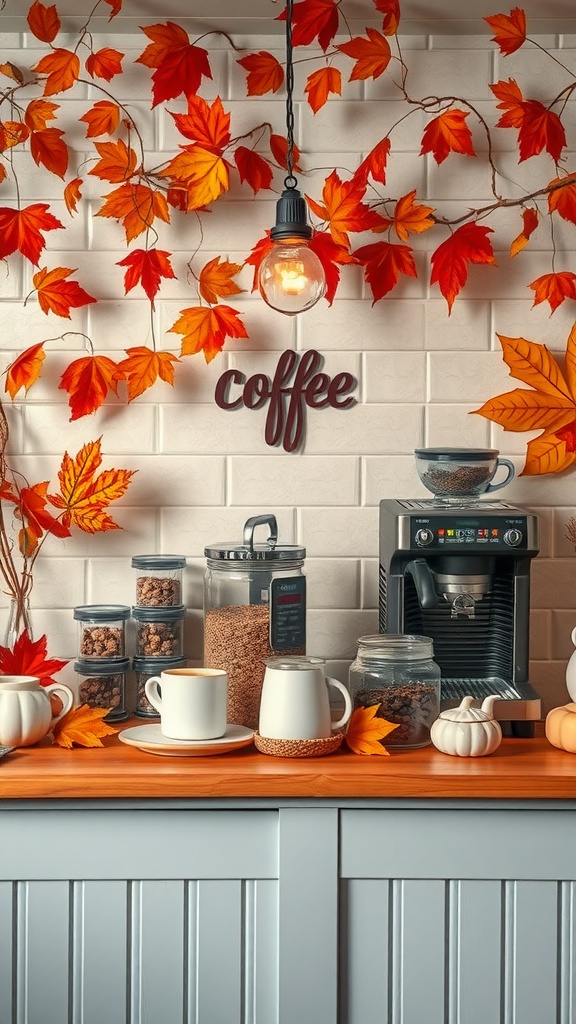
(102, 630)
(254, 607)
(397, 672)
(159, 631)
(102, 684)
(158, 580)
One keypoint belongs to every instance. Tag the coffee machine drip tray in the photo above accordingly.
(518, 702)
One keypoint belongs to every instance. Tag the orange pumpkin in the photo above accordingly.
(561, 727)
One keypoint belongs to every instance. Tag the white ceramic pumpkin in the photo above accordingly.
(467, 731)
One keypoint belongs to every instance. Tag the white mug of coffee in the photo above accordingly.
(295, 701)
(191, 702)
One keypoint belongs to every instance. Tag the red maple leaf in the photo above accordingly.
(510, 30)
(330, 255)
(29, 658)
(147, 267)
(180, 66)
(554, 288)
(205, 329)
(313, 19)
(391, 11)
(468, 244)
(448, 133)
(265, 73)
(374, 165)
(540, 129)
(87, 381)
(105, 63)
(343, 208)
(49, 149)
(320, 84)
(58, 295)
(253, 168)
(31, 508)
(205, 123)
(21, 230)
(383, 263)
(563, 198)
(372, 55)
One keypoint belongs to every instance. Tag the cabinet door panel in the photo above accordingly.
(99, 941)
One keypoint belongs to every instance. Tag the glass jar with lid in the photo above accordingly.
(397, 672)
(102, 630)
(102, 684)
(254, 607)
(158, 580)
(159, 631)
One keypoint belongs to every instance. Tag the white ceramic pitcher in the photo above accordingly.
(295, 701)
(25, 709)
(571, 670)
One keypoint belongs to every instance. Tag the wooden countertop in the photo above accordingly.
(520, 768)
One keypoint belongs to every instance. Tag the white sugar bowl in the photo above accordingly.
(467, 731)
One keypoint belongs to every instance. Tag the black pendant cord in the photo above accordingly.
(290, 181)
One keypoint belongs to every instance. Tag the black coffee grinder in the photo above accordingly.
(456, 568)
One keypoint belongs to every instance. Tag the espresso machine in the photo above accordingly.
(460, 574)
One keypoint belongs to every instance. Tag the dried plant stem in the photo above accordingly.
(18, 581)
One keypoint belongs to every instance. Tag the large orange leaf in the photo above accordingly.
(117, 161)
(554, 288)
(103, 118)
(105, 63)
(43, 22)
(180, 66)
(529, 224)
(343, 209)
(38, 113)
(510, 30)
(61, 67)
(147, 267)
(205, 123)
(83, 727)
(562, 199)
(87, 381)
(366, 730)
(313, 19)
(136, 207)
(21, 230)
(215, 280)
(411, 217)
(549, 453)
(205, 329)
(372, 55)
(448, 133)
(85, 496)
(540, 129)
(49, 149)
(265, 73)
(204, 174)
(30, 658)
(25, 369)
(56, 294)
(383, 263)
(320, 84)
(535, 365)
(522, 409)
(468, 244)
(374, 165)
(253, 168)
(143, 367)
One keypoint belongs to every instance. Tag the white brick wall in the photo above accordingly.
(203, 471)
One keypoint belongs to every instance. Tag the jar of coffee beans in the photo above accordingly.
(102, 630)
(158, 580)
(143, 669)
(397, 674)
(254, 607)
(102, 684)
(159, 631)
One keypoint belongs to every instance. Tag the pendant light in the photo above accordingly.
(291, 277)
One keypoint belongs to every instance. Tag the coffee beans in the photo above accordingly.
(414, 706)
(460, 480)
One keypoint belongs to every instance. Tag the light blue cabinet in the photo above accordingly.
(287, 912)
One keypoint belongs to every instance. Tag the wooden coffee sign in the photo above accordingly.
(297, 383)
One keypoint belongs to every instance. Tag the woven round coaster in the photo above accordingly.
(298, 748)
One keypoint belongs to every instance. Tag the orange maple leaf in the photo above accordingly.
(391, 11)
(448, 133)
(383, 263)
(530, 223)
(43, 22)
(105, 63)
(85, 497)
(510, 30)
(21, 230)
(180, 65)
(511, 102)
(136, 207)
(562, 200)
(49, 149)
(87, 381)
(30, 658)
(38, 113)
(215, 280)
(265, 73)
(549, 406)
(331, 256)
(147, 267)
(72, 194)
(205, 329)
(411, 217)
(468, 244)
(58, 295)
(205, 123)
(143, 367)
(36, 520)
(103, 118)
(25, 369)
(11, 134)
(554, 288)
(320, 84)
(117, 161)
(204, 174)
(313, 19)
(366, 730)
(343, 208)
(62, 68)
(83, 726)
(372, 55)
(374, 165)
(253, 168)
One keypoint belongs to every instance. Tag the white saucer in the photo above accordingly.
(152, 740)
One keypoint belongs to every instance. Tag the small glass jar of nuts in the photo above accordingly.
(102, 684)
(158, 580)
(159, 631)
(102, 630)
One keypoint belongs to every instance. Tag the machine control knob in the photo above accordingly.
(424, 537)
(513, 537)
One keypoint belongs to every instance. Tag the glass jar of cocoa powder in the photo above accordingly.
(397, 674)
(254, 607)
(158, 580)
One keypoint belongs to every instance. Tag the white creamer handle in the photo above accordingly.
(347, 703)
(66, 696)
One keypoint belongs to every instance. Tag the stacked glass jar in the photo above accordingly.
(102, 663)
(159, 618)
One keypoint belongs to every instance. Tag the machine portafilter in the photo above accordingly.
(438, 578)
